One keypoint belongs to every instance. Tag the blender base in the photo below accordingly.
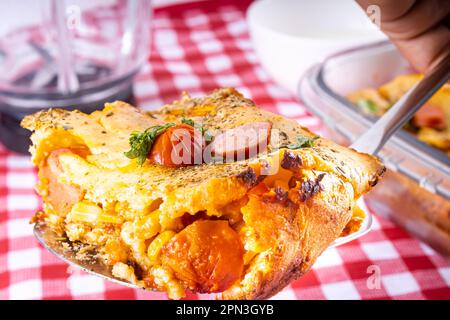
(17, 139)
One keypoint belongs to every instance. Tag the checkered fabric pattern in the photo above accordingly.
(198, 47)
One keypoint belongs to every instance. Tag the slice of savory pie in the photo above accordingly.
(244, 227)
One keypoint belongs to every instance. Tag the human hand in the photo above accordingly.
(419, 28)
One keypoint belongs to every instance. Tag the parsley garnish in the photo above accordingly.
(205, 133)
(189, 122)
(141, 142)
(302, 142)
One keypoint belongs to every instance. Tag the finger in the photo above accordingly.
(390, 10)
(421, 17)
(414, 28)
(425, 50)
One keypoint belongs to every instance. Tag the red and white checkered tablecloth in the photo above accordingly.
(198, 47)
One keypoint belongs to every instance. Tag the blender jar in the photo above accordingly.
(67, 54)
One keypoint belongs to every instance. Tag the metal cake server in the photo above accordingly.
(64, 250)
(370, 142)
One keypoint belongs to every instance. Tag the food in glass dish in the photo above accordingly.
(210, 194)
(431, 124)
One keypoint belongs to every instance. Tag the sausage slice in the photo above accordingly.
(242, 142)
(61, 196)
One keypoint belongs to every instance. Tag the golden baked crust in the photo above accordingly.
(135, 210)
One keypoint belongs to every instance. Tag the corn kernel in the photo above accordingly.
(148, 226)
(84, 212)
(108, 218)
(154, 249)
(90, 213)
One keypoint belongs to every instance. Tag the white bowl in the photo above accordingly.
(291, 35)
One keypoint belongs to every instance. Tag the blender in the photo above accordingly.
(73, 54)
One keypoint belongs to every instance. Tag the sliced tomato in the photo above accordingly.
(179, 145)
(430, 116)
(206, 255)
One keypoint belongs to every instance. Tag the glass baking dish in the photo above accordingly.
(415, 191)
